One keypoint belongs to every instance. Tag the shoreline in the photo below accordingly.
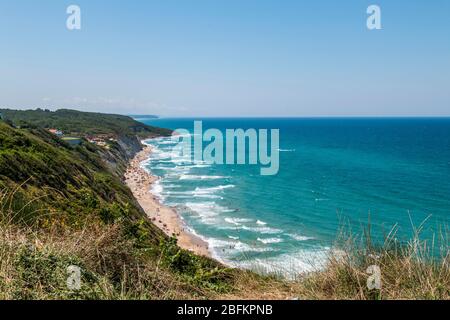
(165, 218)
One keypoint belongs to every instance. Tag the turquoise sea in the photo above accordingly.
(395, 170)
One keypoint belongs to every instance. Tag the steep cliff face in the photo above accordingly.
(129, 145)
(119, 152)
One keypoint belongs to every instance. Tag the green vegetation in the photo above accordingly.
(115, 263)
(63, 205)
(81, 123)
(409, 270)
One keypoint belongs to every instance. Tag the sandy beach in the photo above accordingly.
(165, 218)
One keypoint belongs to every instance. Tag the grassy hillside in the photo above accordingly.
(71, 177)
(63, 205)
(81, 123)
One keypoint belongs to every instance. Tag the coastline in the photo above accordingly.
(165, 218)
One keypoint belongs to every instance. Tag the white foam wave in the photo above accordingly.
(157, 189)
(167, 142)
(170, 186)
(186, 135)
(200, 196)
(208, 193)
(199, 190)
(289, 265)
(299, 237)
(237, 221)
(204, 177)
(223, 248)
(207, 207)
(198, 165)
(177, 168)
(263, 230)
(207, 212)
(175, 161)
(270, 240)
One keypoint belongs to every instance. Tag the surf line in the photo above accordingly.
(212, 147)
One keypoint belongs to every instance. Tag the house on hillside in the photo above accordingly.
(99, 140)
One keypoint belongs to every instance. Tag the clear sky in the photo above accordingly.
(227, 57)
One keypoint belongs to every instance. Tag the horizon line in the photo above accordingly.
(293, 117)
(159, 116)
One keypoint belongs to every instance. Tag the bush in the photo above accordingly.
(193, 268)
(41, 274)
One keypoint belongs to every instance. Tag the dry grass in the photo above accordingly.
(417, 269)
(33, 266)
(412, 270)
(34, 261)
(403, 276)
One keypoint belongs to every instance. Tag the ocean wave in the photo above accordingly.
(237, 221)
(299, 237)
(199, 196)
(207, 212)
(172, 155)
(222, 249)
(270, 240)
(179, 169)
(158, 155)
(166, 143)
(202, 193)
(286, 150)
(206, 209)
(209, 190)
(198, 165)
(289, 265)
(157, 189)
(204, 177)
(208, 206)
(175, 161)
(170, 186)
(201, 206)
(263, 230)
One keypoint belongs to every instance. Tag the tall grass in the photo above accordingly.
(408, 270)
(414, 269)
(34, 261)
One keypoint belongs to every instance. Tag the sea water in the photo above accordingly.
(389, 172)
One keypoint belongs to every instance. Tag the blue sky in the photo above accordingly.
(227, 57)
